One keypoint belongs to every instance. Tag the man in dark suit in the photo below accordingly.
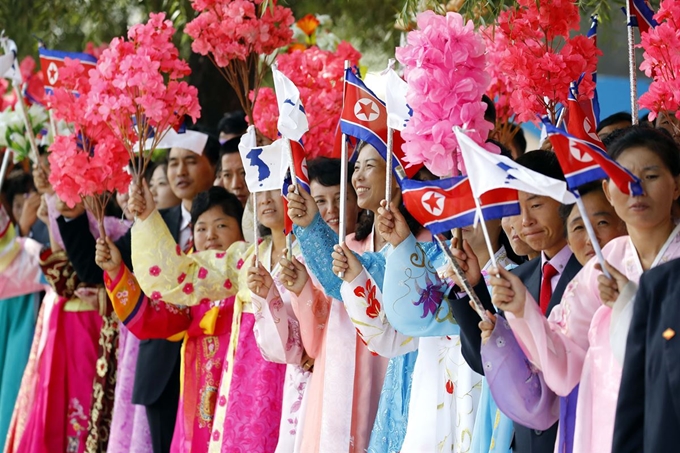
(648, 410)
(190, 171)
(546, 277)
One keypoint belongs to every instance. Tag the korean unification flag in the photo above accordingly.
(489, 171)
(292, 122)
(398, 110)
(265, 166)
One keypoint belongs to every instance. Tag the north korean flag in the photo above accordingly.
(300, 164)
(641, 15)
(444, 204)
(52, 60)
(364, 116)
(583, 161)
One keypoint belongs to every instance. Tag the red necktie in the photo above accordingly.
(189, 246)
(549, 272)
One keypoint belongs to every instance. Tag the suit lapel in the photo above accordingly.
(572, 268)
(173, 220)
(670, 313)
(533, 281)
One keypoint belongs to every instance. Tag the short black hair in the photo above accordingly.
(228, 147)
(217, 196)
(504, 149)
(657, 141)
(17, 183)
(326, 171)
(619, 117)
(611, 138)
(490, 113)
(543, 162)
(585, 189)
(233, 123)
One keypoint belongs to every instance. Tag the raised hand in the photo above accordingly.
(487, 326)
(509, 293)
(468, 262)
(141, 202)
(610, 288)
(293, 274)
(40, 180)
(108, 257)
(301, 207)
(345, 261)
(43, 213)
(29, 213)
(259, 281)
(392, 225)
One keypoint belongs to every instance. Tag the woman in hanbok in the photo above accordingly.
(445, 409)
(345, 386)
(253, 411)
(205, 328)
(316, 241)
(20, 285)
(580, 343)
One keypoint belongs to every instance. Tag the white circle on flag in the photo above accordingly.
(433, 202)
(52, 73)
(588, 128)
(578, 154)
(366, 110)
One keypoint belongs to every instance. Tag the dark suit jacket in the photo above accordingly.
(648, 410)
(157, 359)
(526, 440)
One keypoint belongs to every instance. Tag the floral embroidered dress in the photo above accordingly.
(20, 283)
(449, 399)
(250, 398)
(344, 389)
(277, 332)
(129, 426)
(362, 299)
(572, 347)
(205, 330)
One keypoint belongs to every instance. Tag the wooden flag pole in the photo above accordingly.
(342, 230)
(467, 287)
(388, 167)
(632, 67)
(256, 232)
(291, 167)
(5, 164)
(591, 233)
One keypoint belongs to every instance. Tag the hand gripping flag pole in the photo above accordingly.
(342, 230)
(467, 287)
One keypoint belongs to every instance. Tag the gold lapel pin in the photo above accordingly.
(668, 334)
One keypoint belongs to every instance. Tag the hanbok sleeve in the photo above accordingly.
(59, 272)
(277, 332)
(316, 243)
(364, 304)
(558, 345)
(622, 316)
(146, 317)
(162, 268)
(517, 387)
(312, 308)
(414, 293)
(630, 408)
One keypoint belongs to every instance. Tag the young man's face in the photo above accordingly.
(189, 173)
(542, 228)
(233, 177)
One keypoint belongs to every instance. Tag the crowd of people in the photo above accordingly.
(179, 331)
